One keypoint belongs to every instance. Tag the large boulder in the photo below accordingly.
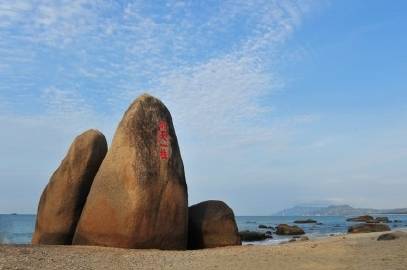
(212, 224)
(63, 198)
(284, 229)
(368, 227)
(139, 196)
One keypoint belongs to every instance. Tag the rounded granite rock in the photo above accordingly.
(62, 200)
(212, 224)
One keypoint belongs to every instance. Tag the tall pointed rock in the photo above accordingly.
(139, 196)
(63, 198)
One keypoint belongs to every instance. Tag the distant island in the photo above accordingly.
(335, 210)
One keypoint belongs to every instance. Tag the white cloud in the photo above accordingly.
(217, 97)
(214, 66)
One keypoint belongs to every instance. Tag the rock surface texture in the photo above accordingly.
(63, 198)
(212, 224)
(139, 196)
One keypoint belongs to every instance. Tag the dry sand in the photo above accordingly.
(359, 252)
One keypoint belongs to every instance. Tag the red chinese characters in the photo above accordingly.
(163, 140)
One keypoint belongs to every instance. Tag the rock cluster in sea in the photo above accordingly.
(369, 219)
(368, 224)
(132, 195)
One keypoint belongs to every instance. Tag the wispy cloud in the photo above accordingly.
(213, 63)
(13, 12)
(69, 65)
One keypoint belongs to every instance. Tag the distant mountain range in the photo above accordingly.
(335, 210)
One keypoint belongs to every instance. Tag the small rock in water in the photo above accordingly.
(284, 229)
(365, 218)
(305, 221)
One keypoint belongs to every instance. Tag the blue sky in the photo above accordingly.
(275, 103)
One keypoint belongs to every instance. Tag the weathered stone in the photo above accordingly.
(368, 227)
(212, 224)
(63, 198)
(139, 196)
(284, 229)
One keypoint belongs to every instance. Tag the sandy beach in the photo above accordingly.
(361, 251)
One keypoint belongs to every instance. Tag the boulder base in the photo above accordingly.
(63, 198)
(212, 224)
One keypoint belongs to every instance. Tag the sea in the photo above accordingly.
(18, 228)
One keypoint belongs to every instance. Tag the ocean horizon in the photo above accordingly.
(18, 228)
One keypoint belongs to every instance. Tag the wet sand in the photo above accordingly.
(360, 251)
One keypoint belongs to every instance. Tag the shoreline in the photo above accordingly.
(314, 237)
(351, 251)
